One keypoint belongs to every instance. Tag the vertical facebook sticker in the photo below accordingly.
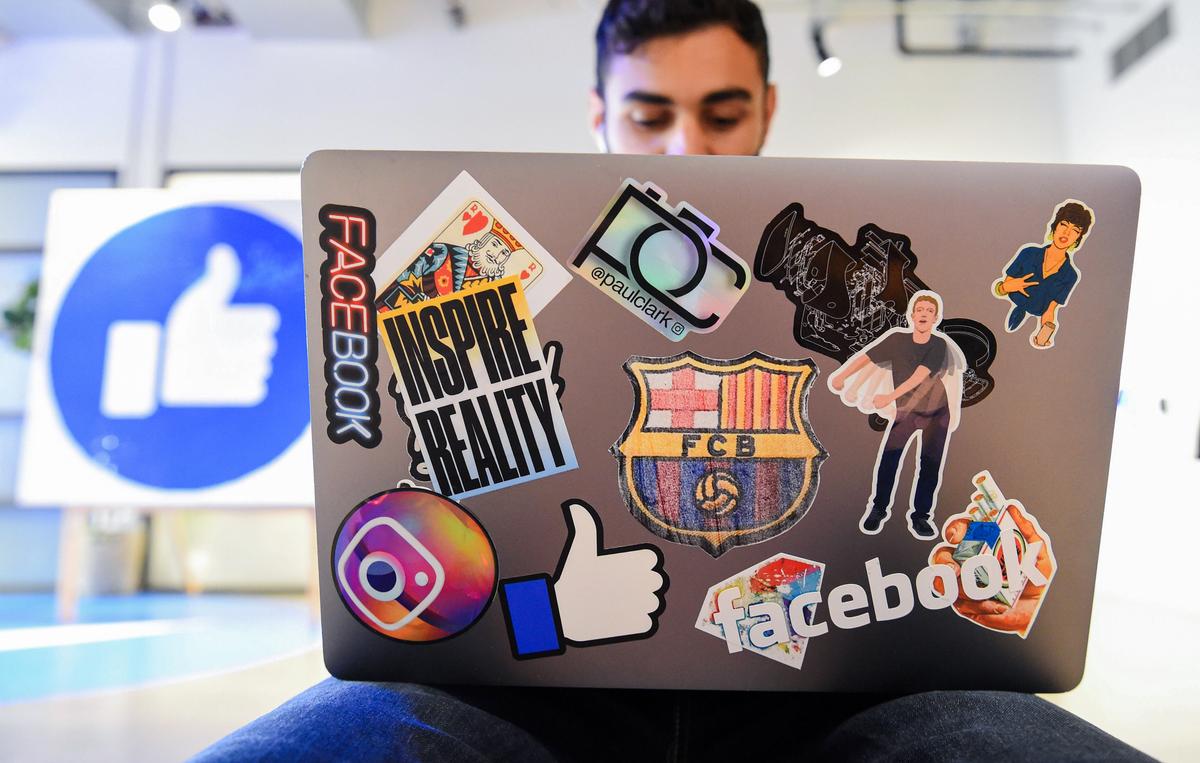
(348, 325)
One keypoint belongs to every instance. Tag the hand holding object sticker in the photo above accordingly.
(989, 613)
(1042, 338)
(596, 596)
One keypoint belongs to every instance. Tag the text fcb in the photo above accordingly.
(719, 453)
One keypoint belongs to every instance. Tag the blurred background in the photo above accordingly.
(144, 622)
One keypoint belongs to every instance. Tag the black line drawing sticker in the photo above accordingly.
(1039, 278)
(596, 595)
(847, 296)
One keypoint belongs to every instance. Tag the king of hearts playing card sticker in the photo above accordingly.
(462, 241)
(477, 389)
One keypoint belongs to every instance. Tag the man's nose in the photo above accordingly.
(688, 138)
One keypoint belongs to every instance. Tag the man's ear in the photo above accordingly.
(768, 111)
(596, 116)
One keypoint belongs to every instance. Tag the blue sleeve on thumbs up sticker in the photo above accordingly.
(596, 595)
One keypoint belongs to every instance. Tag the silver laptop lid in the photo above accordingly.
(644, 421)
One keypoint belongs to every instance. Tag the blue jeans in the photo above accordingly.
(342, 720)
(935, 436)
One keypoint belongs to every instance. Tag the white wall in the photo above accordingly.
(513, 79)
(519, 82)
(66, 102)
(884, 105)
(1149, 119)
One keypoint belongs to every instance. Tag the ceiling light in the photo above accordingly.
(165, 17)
(827, 65)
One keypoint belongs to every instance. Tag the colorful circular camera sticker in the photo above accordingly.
(414, 566)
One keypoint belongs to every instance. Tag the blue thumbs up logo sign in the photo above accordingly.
(177, 359)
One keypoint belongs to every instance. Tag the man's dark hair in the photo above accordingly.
(1076, 214)
(627, 24)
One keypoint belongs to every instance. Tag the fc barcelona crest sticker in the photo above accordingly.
(719, 453)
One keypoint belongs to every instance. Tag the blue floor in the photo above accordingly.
(129, 640)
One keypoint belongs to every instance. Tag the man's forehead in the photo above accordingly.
(686, 69)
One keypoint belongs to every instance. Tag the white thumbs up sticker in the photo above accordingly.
(210, 352)
(596, 596)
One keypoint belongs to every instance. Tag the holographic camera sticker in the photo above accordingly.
(719, 453)
(1001, 557)
(1039, 278)
(413, 565)
(664, 265)
(847, 296)
(768, 608)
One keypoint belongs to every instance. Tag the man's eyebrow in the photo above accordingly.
(728, 94)
(641, 96)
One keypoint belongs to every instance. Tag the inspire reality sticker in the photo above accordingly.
(417, 468)
(1001, 547)
(847, 296)
(1039, 278)
(913, 378)
(664, 265)
(596, 596)
(477, 389)
(719, 453)
(463, 240)
(414, 566)
(768, 608)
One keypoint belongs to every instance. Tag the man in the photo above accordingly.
(673, 77)
(925, 369)
(682, 78)
(1039, 278)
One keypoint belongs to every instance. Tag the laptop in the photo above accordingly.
(711, 422)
